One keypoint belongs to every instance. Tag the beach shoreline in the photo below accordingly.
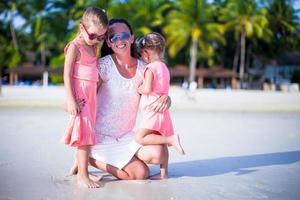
(200, 100)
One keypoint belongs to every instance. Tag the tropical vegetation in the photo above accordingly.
(198, 32)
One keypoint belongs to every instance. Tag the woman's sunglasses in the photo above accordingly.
(123, 36)
(95, 36)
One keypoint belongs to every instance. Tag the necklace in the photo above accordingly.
(132, 63)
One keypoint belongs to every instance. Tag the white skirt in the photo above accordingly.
(116, 152)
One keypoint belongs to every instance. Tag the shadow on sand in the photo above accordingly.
(240, 165)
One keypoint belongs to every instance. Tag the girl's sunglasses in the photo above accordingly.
(95, 36)
(123, 36)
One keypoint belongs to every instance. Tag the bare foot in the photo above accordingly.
(176, 144)
(74, 169)
(86, 182)
(159, 176)
(95, 177)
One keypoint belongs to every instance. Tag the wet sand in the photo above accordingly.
(230, 155)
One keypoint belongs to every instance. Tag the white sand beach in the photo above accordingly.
(201, 100)
(239, 144)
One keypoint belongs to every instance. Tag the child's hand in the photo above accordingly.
(73, 108)
(80, 103)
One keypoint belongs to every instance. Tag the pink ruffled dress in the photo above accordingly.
(160, 122)
(81, 127)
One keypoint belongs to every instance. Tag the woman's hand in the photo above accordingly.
(162, 104)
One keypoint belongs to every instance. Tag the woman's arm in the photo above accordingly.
(70, 59)
(146, 86)
(162, 104)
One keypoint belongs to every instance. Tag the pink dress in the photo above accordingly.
(81, 127)
(160, 122)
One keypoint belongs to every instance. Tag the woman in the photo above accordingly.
(120, 72)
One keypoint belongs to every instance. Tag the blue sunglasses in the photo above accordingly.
(123, 36)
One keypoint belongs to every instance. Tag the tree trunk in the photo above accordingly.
(43, 54)
(248, 60)
(248, 57)
(236, 57)
(193, 55)
(242, 61)
(12, 29)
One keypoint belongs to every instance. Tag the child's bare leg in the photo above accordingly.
(74, 168)
(147, 137)
(83, 176)
(163, 172)
(175, 142)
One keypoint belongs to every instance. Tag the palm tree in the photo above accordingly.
(144, 15)
(10, 11)
(10, 52)
(48, 22)
(247, 20)
(283, 23)
(192, 23)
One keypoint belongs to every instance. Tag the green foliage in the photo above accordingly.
(57, 62)
(193, 20)
(244, 16)
(271, 28)
(144, 15)
(57, 79)
(15, 59)
(9, 56)
(285, 24)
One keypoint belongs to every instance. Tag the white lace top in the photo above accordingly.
(117, 101)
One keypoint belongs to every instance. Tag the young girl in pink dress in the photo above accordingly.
(80, 79)
(155, 127)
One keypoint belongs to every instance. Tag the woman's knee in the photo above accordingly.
(142, 172)
(137, 170)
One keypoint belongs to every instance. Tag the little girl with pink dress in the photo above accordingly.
(155, 127)
(80, 80)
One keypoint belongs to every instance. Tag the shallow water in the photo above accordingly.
(230, 155)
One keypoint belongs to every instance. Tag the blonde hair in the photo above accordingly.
(94, 16)
(153, 41)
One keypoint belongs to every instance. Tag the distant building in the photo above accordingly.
(217, 77)
(285, 70)
(28, 73)
(280, 74)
